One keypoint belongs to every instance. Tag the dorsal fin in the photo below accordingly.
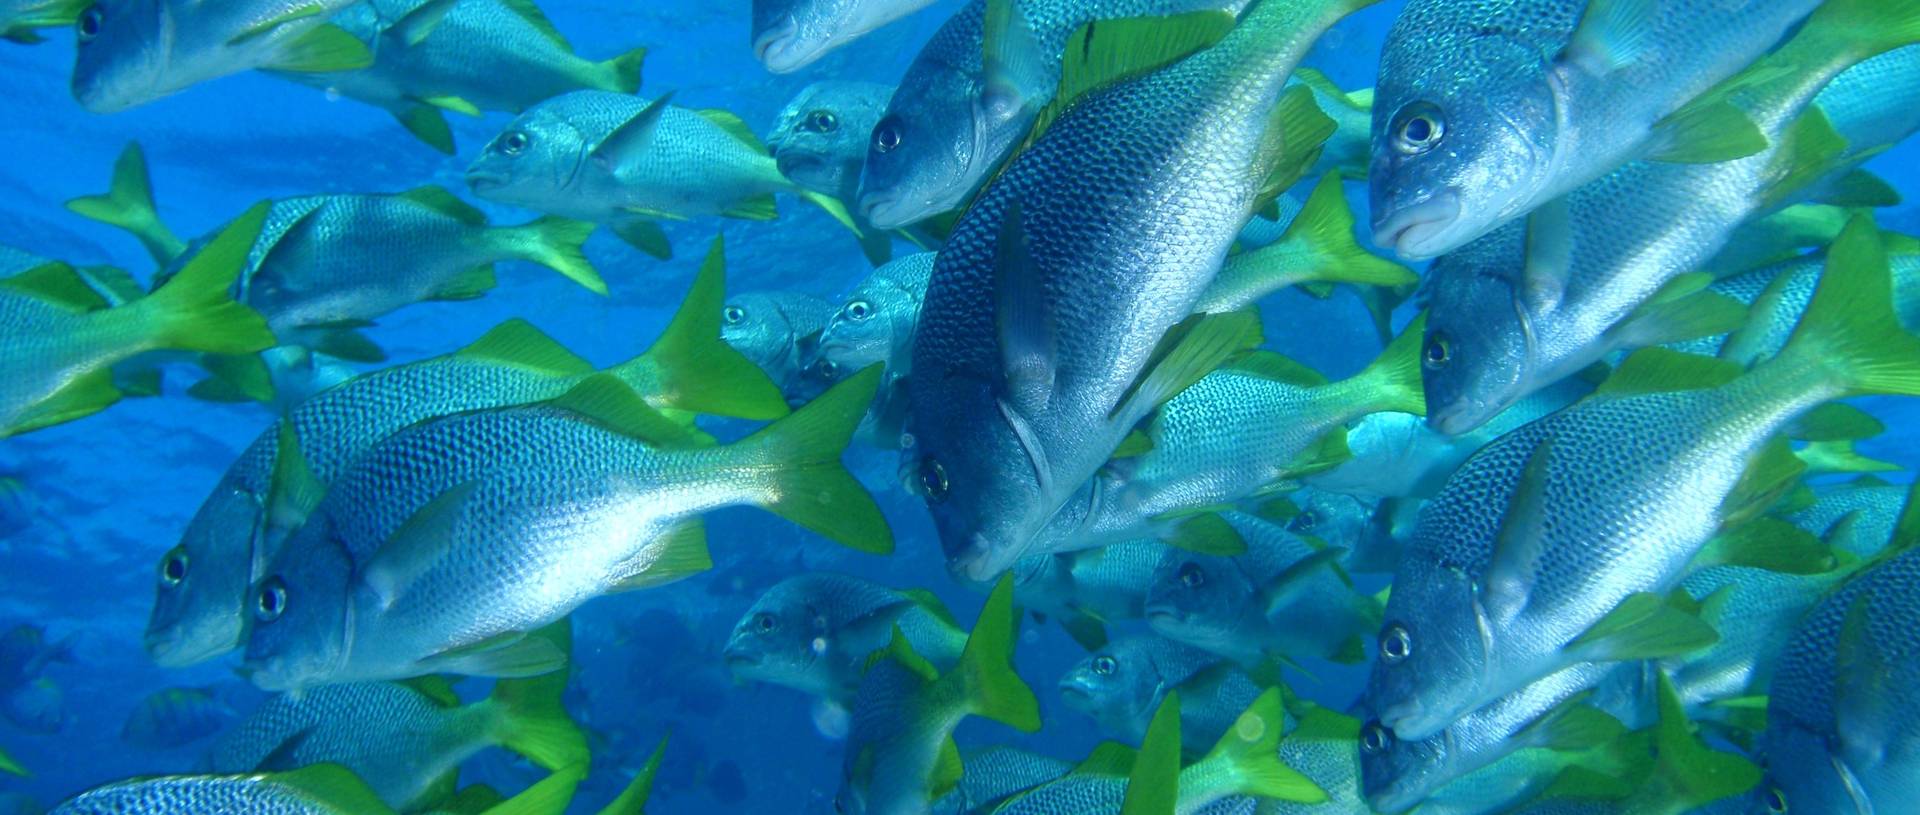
(1270, 365)
(1659, 370)
(1103, 52)
(440, 200)
(538, 19)
(58, 284)
(336, 788)
(735, 127)
(606, 399)
(518, 342)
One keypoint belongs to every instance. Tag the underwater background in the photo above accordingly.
(102, 498)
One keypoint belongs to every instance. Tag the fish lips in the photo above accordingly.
(481, 181)
(1420, 230)
(781, 49)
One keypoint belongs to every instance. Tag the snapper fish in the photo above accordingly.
(791, 34)
(1486, 111)
(201, 604)
(395, 573)
(813, 632)
(1121, 685)
(820, 138)
(780, 331)
(1637, 478)
(325, 789)
(136, 51)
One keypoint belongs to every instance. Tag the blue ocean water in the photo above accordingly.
(108, 494)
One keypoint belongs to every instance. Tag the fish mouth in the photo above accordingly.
(777, 48)
(1457, 418)
(739, 659)
(1405, 719)
(1419, 231)
(1163, 616)
(1072, 691)
(882, 210)
(482, 181)
(976, 563)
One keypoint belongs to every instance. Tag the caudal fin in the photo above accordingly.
(555, 243)
(1392, 381)
(532, 719)
(1319, 245)
(548, 796)
(633, 799)
(987, 683)
(1246, 759)
(195, 310)
(1153, 785)
(623, 72)
(801, 457)
(1849, 332)
(128, 205)
(690, 368)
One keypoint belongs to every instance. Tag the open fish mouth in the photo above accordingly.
(1417, 232)
(480, 181)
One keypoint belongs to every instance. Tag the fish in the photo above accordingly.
(1023, 386)
(628, 162)
(779, 331)
(875, 323)
(1323, 746)
(1087, 588)
(1637, 478)
(1282, 598)
(1551, 716)
(324, 789)
(392, 576)
(1609, 266)
(789, 35)
(59, 338)
(175, 717)
(400, 739)
(1486, 112)
(39, 706)
(972, 93)
(1232, 434)
(1244, 762)
(819, 140)
(899, 755)
(204, 583)
(25, 652)
(133, 52)
(813, 632)
(1121, 685)
(1778, 293)
(1857, 517)
(466, 56)
(1836, 720)
(21, 20)
(994, 774)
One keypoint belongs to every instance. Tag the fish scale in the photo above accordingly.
(824, 626)
(1878, 509)
(253, 795)
(1129, 203)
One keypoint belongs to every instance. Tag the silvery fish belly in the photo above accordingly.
(791, 34)
(135, 51)
(1052, 294)
(950, 124)
(1536, 301)
(1486, 111)
(181, 795)
(1841, 734)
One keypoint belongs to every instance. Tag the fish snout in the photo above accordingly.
(880, 209)
(1418, 231)
(1407, 720)
(480, 180)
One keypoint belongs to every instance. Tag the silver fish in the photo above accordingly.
(135, 51)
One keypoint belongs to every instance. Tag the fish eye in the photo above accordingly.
(933, 480)
(886, 137)
(858, 310)
(1437, 352)
(827, 369)
(734, 315)
(272, 601)
(1420, 129)
(1192, 576)
(1395, 644)
(173, 566)
(1104, 665)
(823, 121)
(90, 22)
(514, 142)
(1776, 800)
(1375, 739)
(765, 622)
(1304, 522)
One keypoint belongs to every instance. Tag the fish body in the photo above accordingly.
(1056, 287)
(950, 125)
(1768, 330)
(1840, 737)
(1120, 686)
(814, 631)
(1486, 111)
(135, 51)
(173, 717)
(684, 164)
(994, 774)
(1868, 510)
(577, 509)
(1533, 302)
(819, 140)
(200, 795)
(791, 34)
(1282, 597)
(1107, 583)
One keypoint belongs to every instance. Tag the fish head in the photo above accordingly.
(532, 163)
(1432, 654)
(942, 134)
(200, 605)
(1397, 774)
(1479, 351)
(121, 60)
(983, 476)
(865, 329)
(790, 34)
(302, 612)
(783, 640)
(780, 331)
(1199, 599)
(819, 140)
(1459, 146)
(1118, 686)
(1335, 517)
